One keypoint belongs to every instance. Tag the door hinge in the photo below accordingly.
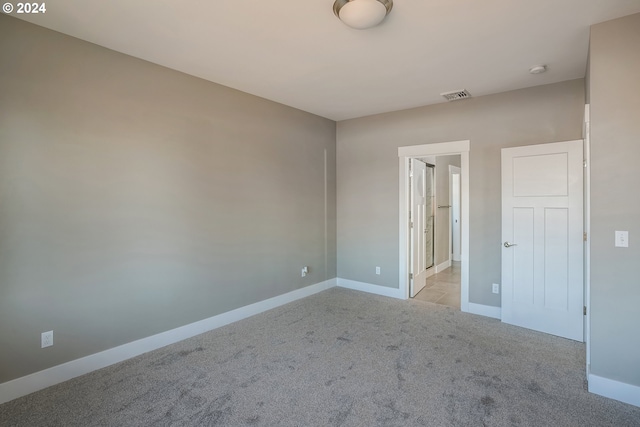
(584, 236)
(410, 276)
(411, 224)
(584, 310)
(584, 163)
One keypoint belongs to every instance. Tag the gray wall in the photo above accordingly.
(443, 238)
(367, 168)
(135, 199)
(615, 204)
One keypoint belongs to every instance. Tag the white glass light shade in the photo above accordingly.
(361, 14)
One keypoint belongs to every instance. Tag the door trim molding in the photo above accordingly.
(587, 230)
(461, 148)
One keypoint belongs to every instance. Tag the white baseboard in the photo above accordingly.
(37, 381)
(617, 390)
(484, 310)
(443, 266)
(370, 288)
(430, 272)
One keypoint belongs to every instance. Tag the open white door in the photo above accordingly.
(418, 225)
(542, 233)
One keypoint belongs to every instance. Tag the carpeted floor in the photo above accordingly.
(339, 358)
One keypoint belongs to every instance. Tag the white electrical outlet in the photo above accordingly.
(622, 239)
(496, 288)
(305, 270)
(46, 339)
(377, 270)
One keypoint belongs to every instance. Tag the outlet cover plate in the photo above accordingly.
(496, 288)
(622, 239)
(46, 339)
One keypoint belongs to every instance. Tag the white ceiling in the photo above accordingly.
(299, 54)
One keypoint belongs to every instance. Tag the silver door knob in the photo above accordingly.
(508, 245)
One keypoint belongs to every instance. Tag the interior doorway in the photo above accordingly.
(440, 282)
(405, 154)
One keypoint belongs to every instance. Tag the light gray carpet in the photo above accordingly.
(339, 358)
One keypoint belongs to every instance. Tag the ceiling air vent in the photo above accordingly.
(456, 95)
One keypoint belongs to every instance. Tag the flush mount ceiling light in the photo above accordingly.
(538, 69)
(362, 14)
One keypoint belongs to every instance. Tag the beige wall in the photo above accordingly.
(135, 199)
(615, 204)
(367, 173)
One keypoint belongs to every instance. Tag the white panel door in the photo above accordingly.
(542, 234)
(418, 184)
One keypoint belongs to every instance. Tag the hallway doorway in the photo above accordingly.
(449, 279)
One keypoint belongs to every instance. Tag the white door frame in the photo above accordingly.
(587, 229)
(439, 149)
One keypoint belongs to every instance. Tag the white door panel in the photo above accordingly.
(556, 260)
(542, 226)
(523, 264)
(421, 199)
(530, 181)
